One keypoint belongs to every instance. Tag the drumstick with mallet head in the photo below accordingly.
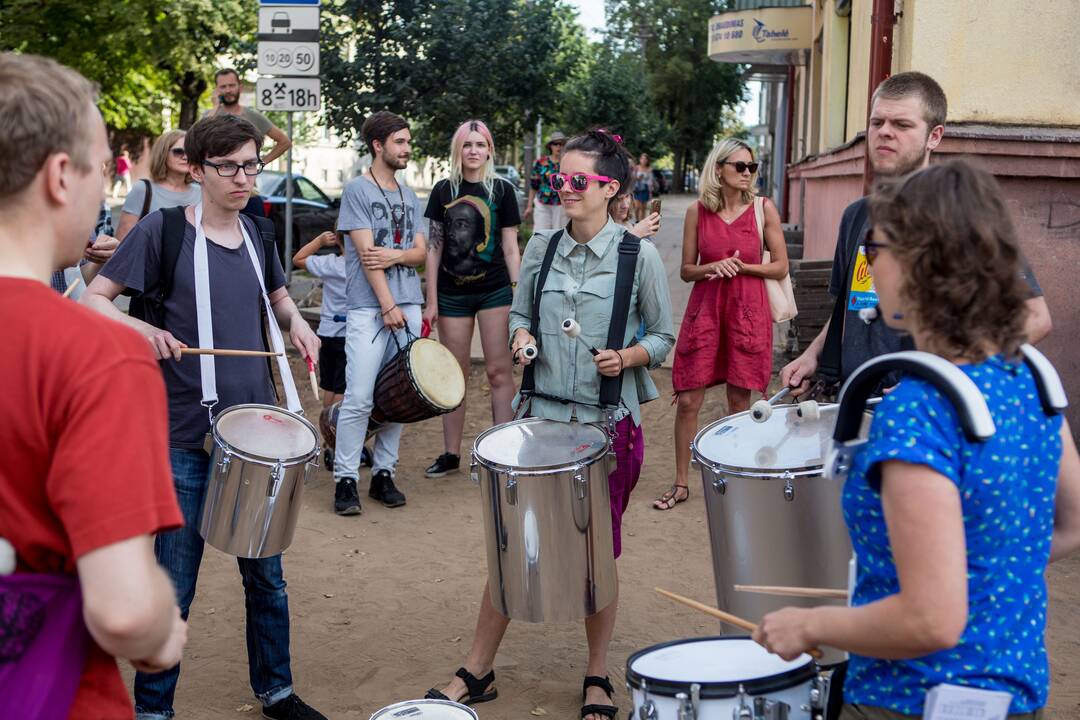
(572, 329)
(528, 351)
(726, 617)
(226, 352)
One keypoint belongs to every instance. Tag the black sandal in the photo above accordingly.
(608, 711)
(671, 498)
(475, 687)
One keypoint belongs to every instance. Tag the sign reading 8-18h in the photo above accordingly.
(288, 56)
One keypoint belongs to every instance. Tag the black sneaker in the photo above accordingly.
(292, 708)
(443, 465)
(365, 457)
(328, 459)
(384, 490)
(346, 497)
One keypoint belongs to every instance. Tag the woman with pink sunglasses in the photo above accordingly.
(580, 284)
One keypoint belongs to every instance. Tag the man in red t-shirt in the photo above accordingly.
(84, 466)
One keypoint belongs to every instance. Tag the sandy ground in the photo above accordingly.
(383, 604)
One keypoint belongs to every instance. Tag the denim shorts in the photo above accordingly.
(469, 304)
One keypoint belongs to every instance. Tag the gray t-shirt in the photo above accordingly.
(237, 318)
(160, 197)
(363, 207)
(256, 118)
(331, 270)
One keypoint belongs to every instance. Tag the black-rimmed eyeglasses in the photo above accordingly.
(228, 170)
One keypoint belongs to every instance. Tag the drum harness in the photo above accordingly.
(610, 399)
(207, 371)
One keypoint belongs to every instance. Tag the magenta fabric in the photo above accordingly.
(726, 333)
(629, 449)
(43, 645)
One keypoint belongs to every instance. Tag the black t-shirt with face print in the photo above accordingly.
(472, 224)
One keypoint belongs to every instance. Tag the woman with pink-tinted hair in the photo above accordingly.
(472, 268)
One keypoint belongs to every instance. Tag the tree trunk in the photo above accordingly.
(677, 184)
(192, 86)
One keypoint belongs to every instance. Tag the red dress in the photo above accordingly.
(726, 333)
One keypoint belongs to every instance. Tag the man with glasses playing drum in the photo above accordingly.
(214, 296)
(601, 282)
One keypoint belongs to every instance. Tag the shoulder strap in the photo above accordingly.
(759, 217)
(150, 308)
(629, 247)
(265, 226)
(146, 198)
(528, 375)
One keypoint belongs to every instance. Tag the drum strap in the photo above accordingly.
(610, 387)
(528, 375)
(204, 316)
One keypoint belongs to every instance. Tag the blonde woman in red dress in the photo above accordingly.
(726, 333)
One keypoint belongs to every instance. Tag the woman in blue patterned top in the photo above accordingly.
(952, 537)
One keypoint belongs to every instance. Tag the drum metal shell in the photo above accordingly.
(548, 536)
(252, 502)
(782, 526)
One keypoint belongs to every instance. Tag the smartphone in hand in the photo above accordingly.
(653, 206)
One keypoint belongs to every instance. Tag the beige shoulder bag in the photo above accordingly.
(781, 296)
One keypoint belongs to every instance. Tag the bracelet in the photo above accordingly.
(388, 310)
(622, 362)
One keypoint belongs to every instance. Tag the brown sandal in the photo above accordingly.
(671, 498)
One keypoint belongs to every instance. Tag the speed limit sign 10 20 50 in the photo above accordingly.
(289, 58)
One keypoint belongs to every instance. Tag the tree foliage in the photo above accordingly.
(689, 90)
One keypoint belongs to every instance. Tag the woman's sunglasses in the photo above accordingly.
(178, 152)
(872, 248)
(579, 182)
(741, 167)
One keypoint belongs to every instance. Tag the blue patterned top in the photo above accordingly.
(1007, 488)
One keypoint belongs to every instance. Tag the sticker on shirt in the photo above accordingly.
(862, 294)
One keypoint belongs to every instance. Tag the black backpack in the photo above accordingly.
(151, 309)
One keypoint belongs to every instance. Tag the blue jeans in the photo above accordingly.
(180, 553)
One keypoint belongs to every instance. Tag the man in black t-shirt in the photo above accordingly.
(907, 122)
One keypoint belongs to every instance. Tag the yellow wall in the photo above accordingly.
(859, 67)
(999, 61)
(834, 76)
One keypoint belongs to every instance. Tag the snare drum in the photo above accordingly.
(422, 381)
(425, 710)
(261, 458)
(720, 679)
(547, 518)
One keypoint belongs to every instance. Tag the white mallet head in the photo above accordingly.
(529, 351)
(571, 327)
(761, 411)
(7, 557)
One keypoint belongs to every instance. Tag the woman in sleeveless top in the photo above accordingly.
(726, 333)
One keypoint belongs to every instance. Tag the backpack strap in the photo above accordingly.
(265, 227)
(528, 376)
(629, 248)
(151, 308)
(147, 197)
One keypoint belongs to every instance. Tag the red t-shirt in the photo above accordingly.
(84, 457)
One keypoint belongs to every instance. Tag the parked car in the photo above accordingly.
(313, 210)
(510, 173)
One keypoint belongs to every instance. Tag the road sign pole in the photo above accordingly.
(288, 205)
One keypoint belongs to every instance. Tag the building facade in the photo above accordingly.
(1011, 72)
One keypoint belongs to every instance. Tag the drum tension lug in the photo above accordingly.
(580, 485)
(511, 489)
(789, 487)
(474, 471)
(719, 484)
(742, 711)
(766, 709)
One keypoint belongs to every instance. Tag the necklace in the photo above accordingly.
(397, 215)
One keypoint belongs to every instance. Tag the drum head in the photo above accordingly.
(720, 665)
(425, 710)
(268, 432)
(535, 444)
(436, 372)
(783, 442)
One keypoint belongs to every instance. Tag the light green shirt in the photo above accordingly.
(581, 285)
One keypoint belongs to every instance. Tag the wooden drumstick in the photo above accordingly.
(828, 593)
(228, 353)
(71, 288)
(311, 376)
(726, 617)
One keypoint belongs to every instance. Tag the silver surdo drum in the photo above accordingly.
(547, 518)
(774, 519)
(722, 679)
(261, 457)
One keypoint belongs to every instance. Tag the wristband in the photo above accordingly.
(388, 310)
